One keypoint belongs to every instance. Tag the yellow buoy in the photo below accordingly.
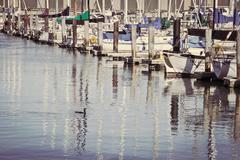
(93, 40)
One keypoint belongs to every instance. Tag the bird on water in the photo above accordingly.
(82, 112)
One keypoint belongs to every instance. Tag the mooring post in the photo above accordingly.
(19, 22)
(31, 22)
(86, 32)
(208, 35)
(74, 25)
(238, 54)
(176, 35)
(134, 44)
(36, 22)
(115, 37)
(100, 36)
(19, 15)
(25, 22)
(74, 30)
(46, 24)
(13, 15)
(151, 33)
(54, 26)
(4, 10)
(64, 30)
(9, 20)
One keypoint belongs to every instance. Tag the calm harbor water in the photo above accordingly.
(129, 114)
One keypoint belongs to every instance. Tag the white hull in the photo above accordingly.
(161, 43)
(224, 68)
(179, 64)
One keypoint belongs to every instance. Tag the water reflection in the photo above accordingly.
(115, 82)
(174, 113)
(81, 132)
(237, 119)
(129, 115)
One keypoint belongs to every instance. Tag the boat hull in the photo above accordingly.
(224, 68)
(183, 64)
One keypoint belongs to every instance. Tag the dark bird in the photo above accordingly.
(82, 112)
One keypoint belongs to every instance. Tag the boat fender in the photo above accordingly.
(93, 40)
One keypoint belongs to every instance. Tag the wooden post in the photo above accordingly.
(13, 14)
(19, 21)
(238, 54)
(176, 35)
(208, 35)
(86, 32)
(19, 14)
(74, 25)
(25, 22)
(214, 10)
(115, 37)
(4, 14)
(74, 30)
(36, 22)
(151, 33)
(134, 37)
(63, 26)
(31, 22)
(100, 35)
(46, 18)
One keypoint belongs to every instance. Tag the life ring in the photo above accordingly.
(93, 40)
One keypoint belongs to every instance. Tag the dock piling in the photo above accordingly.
(151, 32)
(208, 34)
(86, 33)
(115, 37)
(74, 30)
(176, 34)
(134, 44)
(100, 36)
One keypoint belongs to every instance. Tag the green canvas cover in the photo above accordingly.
(85, 16)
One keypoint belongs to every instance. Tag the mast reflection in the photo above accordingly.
(237, 119)
(115, 82)
(174, 112)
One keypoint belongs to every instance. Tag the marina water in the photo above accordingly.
(129, 114)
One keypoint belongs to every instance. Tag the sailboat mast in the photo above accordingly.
(125, 11)
(159, 8)
(57, 7)
(169, 8)
(103, 7)
(214, 13)
(175, 8)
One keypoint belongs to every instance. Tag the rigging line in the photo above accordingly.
(25, 5)
(149, 5)
(39, 4)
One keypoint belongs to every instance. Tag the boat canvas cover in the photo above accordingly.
(65, 12)
(85, 16)
(6, 10)
(220, 18)
(123, 35)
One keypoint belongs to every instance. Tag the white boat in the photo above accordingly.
(224, 66)
(161, 43)
(183, 63)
